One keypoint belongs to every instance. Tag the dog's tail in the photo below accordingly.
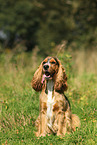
(75, 122)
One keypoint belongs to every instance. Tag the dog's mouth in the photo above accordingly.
(46, 76)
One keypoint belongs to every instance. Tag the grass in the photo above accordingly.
(20, 104)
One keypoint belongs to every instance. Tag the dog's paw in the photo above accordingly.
(37, 134)
(42, 134)
(59, 134)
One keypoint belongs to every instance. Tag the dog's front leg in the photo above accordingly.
(43, 123)
(60, 122)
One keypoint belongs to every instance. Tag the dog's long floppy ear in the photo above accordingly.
(61, 79)
(37, 78)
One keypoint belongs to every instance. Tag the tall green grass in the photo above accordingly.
(19, 103)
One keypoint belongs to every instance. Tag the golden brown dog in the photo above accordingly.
(55, 114)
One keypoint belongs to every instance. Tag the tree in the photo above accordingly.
(45, 23)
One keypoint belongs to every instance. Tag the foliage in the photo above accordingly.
(20, 104)
(42, 23)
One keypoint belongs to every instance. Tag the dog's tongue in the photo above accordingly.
(43, 78)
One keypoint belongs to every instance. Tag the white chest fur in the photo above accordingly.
(50, 102)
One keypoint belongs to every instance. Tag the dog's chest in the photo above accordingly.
(50, 98)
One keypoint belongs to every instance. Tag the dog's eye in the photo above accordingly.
(44, 62)
(52, 62)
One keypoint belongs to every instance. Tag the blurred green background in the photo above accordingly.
(30, 23)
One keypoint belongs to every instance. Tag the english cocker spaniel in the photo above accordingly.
(54, 112)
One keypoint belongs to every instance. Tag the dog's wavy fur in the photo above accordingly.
(63, 120)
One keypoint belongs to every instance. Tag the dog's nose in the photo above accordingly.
(46, 67)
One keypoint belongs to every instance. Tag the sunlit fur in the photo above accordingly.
(62, 119)
(36, 81)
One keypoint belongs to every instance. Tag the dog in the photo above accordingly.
(55, 116)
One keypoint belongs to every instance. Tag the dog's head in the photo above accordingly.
(50, 68)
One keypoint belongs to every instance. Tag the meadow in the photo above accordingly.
(19, 103)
